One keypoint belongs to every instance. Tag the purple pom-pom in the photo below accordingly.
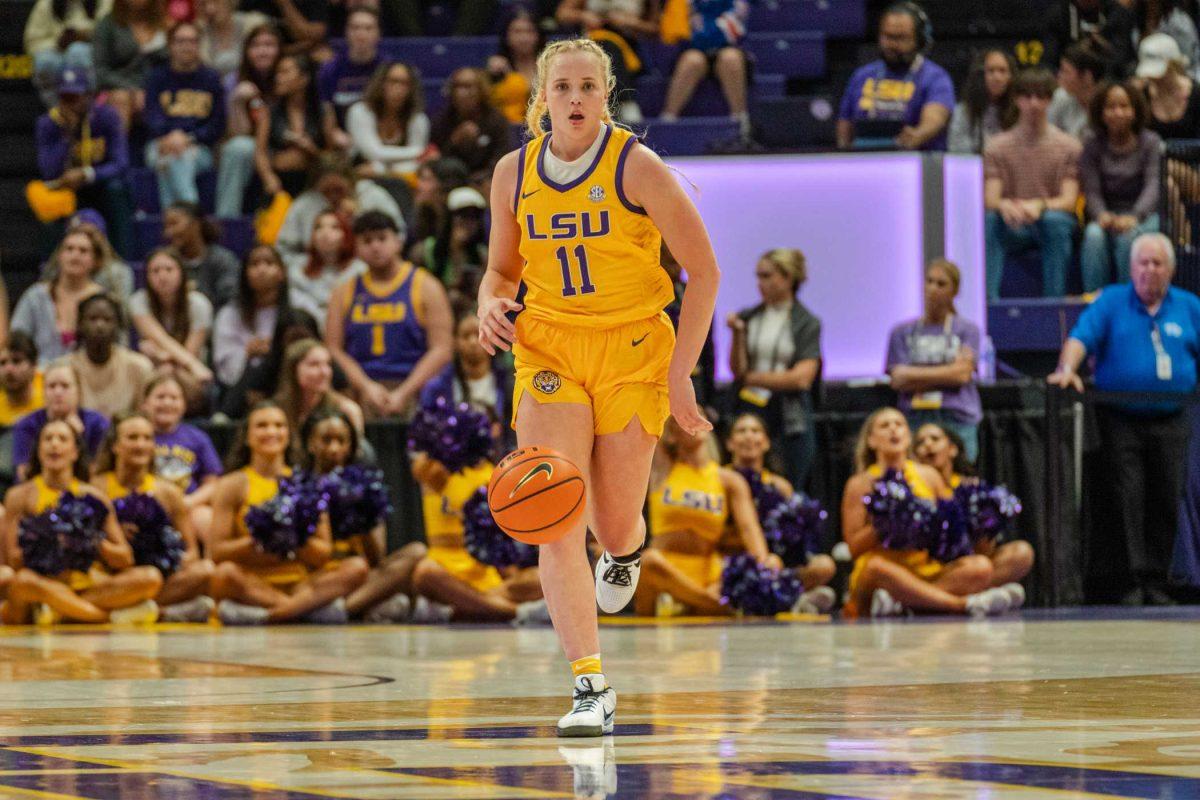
(757, 590)
(459, 436)
(358, 500)
(988, 509)
(154, 540)
(793, 529)
(64, 537)
(948, 537)
(486, 542)
(901, 519)
(766, 497)
(283, 524)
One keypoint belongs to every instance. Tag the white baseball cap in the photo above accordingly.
(465, 197)
(1155, 53)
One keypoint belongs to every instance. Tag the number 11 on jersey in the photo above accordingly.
(585, 278)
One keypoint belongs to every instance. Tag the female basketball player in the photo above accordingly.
(691, 499)
(888, 581)
(260, 587)
(112, 590)
(125, 466)
(943, 449)
(748, 445)
(577, 221)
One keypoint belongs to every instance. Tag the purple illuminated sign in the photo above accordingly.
(858, 220)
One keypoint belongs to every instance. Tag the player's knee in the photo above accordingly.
(692, 61)
(147, 579)
(975, 571)
(356, 570)
(821, 569)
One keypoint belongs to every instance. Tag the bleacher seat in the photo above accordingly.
(841, 19)
(796, 55)
(693, 136)
(237, 233)
(794, 121)
(144, 187)
(708, 100)
(433, 55)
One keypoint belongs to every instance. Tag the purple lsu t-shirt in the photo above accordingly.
(879, 94)
(932, 345)
(185, 457)
(342, 82)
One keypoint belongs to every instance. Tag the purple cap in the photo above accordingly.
(90, 216)
(73, 80)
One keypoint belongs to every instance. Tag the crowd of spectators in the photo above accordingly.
(371, 214)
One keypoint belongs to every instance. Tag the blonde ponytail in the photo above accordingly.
(535, 114)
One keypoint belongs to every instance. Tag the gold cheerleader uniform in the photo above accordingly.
(917, 562)
(260, 489)
(592, 330)
(46, 499)
(444, 528)
(694, 500)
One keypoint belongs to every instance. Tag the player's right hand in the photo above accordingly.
(496, 331)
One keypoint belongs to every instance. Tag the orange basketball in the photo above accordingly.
(537, 495)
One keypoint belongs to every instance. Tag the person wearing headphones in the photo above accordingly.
(903, 100)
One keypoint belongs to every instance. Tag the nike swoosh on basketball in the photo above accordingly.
(636, 342)
(542, 467)
(527, 195)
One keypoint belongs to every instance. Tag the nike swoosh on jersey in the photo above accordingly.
(545, 467)
(527, 195)
(636, 342)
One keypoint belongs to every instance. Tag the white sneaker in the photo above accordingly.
(427, 612)
(616, 582)
(1016, 595)
(231, 612)
(988, 603)
(817, 601)
(333, 613)
(197, 609)
(594, 768)
(144, 613)
(534, 612)
(395, 609)
(884, 605)
(593, 709)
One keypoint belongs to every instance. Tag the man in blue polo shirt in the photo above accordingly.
(902, 100)
(1144, 337)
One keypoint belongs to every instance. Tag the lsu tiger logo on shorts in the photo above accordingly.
(547, 382)
(596, 193)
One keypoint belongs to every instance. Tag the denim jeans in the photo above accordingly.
(177, 174)
(1102, 249)
(48, 65)
(233, 174)
(1052, 234)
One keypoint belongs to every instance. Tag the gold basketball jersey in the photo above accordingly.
(591, 255)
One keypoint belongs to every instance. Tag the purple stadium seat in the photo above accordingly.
(796, 55)
(708, 100)
(842, 19)
(434, 55)
(237, 233)
(688, 137)
(144, 185)
(147, 235)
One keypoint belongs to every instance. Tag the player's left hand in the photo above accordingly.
(683, 406)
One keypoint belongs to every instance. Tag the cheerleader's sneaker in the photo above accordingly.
(1016, 595)
(427, 612)
(988, 603)
(593, 767)
(232, 612)
(333, 613)
(616, 581)
(884, 605)
(534, 612)
(593, 709)
(144, 613)
(396, 608)
(197, 609)
(817, 601)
